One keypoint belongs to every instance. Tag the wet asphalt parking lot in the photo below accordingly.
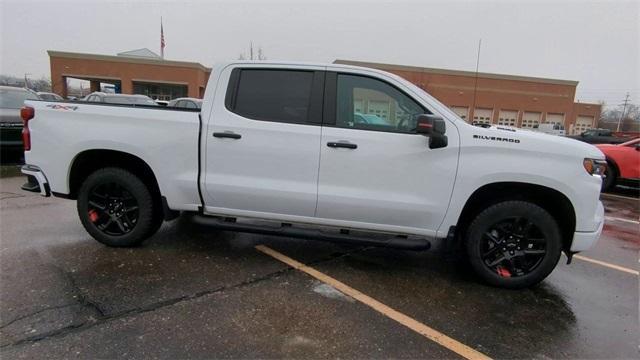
(193, 292)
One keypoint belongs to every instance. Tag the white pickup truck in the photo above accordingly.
(329, 152)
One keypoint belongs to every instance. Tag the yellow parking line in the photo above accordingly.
(422, 329)
(613, 218)
(619, 196)
(606, 264)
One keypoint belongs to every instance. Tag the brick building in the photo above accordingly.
(499, 99)
(486, 98)
(133, 72)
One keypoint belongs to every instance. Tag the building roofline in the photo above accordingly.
(388, 67)
(124, 59)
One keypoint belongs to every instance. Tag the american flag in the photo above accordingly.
(161, 39)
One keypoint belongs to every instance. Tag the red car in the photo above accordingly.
(623, 163)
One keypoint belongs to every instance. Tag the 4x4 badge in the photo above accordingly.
(62, 107)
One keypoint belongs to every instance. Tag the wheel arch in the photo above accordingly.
(553, 201)
(88, 161)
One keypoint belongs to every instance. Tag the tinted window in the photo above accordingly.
(370, 104)
(190, 105)
(14, 99)
(274, 95)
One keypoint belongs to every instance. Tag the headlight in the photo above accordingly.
(595, 166)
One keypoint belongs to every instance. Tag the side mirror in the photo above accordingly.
(637, 147)
(433, 127)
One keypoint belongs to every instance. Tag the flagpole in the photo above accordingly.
(161, 39)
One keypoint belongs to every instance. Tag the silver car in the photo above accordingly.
(48, 96)
(122, 99)
(186, 103)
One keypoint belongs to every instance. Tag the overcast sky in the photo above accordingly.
(596, 43)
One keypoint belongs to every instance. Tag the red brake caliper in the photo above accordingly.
(93, 215)
(503, 272)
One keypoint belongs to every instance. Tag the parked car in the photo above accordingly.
(550, 128)
(277, 142)
(11, 100)
(162, 102)
(122, 99)
(49, 96)
(623, 163)
(599, 136)
(186, 103)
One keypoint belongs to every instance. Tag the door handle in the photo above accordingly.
(227, 134)
(342, 144)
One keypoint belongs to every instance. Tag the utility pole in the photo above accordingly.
(475, 85)
(626, 102)
(26, 82)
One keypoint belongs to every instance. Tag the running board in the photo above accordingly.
(286, 229)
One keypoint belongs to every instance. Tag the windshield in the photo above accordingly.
(129, 100)
(14, 99)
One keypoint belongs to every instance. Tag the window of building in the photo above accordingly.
(274, 95)
(370, 104)
(157, 91)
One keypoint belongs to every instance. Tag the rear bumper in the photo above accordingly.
(43, 185)
(585, 240)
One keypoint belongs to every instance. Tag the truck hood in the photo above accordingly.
(545, 143)
(10, 116)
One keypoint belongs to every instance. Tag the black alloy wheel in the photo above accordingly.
(513, 247)
(112, 209)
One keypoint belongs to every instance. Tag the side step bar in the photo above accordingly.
(396, 242)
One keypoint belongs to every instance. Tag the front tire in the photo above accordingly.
(117, 208)
(513, 244)
(610, 175)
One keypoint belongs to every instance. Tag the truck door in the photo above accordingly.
(374, 168)
(263, 142)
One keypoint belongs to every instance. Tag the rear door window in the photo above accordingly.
(273, 95)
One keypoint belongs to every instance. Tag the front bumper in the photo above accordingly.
(585, 240)
(35, 172)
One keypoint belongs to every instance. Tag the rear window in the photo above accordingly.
(14, 99)
(274, 95)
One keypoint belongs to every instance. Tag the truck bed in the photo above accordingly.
(157, 135)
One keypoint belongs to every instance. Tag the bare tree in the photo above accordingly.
(630, 122)
(252, 54)
(42, 84)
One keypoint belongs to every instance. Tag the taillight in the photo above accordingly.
(26, 113)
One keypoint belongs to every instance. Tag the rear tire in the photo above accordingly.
(117, 208)
(513, 244)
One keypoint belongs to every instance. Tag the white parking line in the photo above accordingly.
(612, 218)
(422, 329)
(606, 264)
